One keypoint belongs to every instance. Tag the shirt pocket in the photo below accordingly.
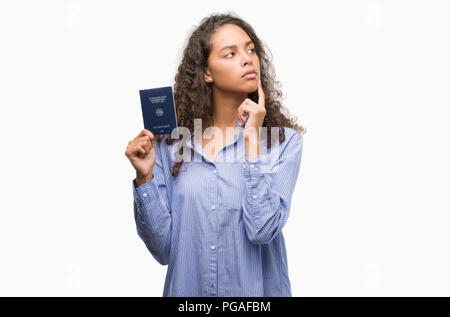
(231, 185)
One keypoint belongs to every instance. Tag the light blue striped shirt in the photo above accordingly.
(218, 225)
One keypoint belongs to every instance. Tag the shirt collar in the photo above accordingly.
(199, 149)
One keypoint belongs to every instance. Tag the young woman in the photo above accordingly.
(217, 220)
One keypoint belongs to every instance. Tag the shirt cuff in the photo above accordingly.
(253, 165)
(146, 192)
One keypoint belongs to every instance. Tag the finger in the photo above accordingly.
(150, 145)
(139, 150)
(144, 138)
(142, 133)
(240, 111)
(243, 108)
(146, 145)
(145, 132)
(149, 133)
(260, 94)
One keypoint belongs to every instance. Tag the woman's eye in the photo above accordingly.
(233, 53)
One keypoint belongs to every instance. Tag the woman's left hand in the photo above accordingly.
(256, 113)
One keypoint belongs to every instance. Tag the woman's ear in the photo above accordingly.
(208, 79)
(207, 76)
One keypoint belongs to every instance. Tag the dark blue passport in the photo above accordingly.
(158, 110)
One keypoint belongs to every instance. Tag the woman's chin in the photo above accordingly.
(251, 86)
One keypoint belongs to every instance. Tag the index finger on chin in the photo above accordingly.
(260, 94)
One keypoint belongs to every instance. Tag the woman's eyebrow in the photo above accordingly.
(234, 46)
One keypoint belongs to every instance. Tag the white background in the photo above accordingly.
(368, 79)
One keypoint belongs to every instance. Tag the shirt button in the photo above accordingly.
(215, 171)
(143, 222)
(213, 207)
(144, 194)
(251, 165)
(254, 196)
(213, 247)
(244, 166)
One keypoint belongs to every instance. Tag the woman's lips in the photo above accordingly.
(250, 76)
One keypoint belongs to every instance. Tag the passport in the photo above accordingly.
(158, 110)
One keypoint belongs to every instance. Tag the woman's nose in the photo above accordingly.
(246, 59)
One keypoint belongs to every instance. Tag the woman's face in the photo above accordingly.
(227, 65)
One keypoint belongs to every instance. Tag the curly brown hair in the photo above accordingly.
(193, 96)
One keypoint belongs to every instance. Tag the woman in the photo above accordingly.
(216, 220)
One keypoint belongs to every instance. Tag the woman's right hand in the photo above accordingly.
(141, 153)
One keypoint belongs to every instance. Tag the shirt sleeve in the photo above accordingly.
(268, 190)
(152, 212)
